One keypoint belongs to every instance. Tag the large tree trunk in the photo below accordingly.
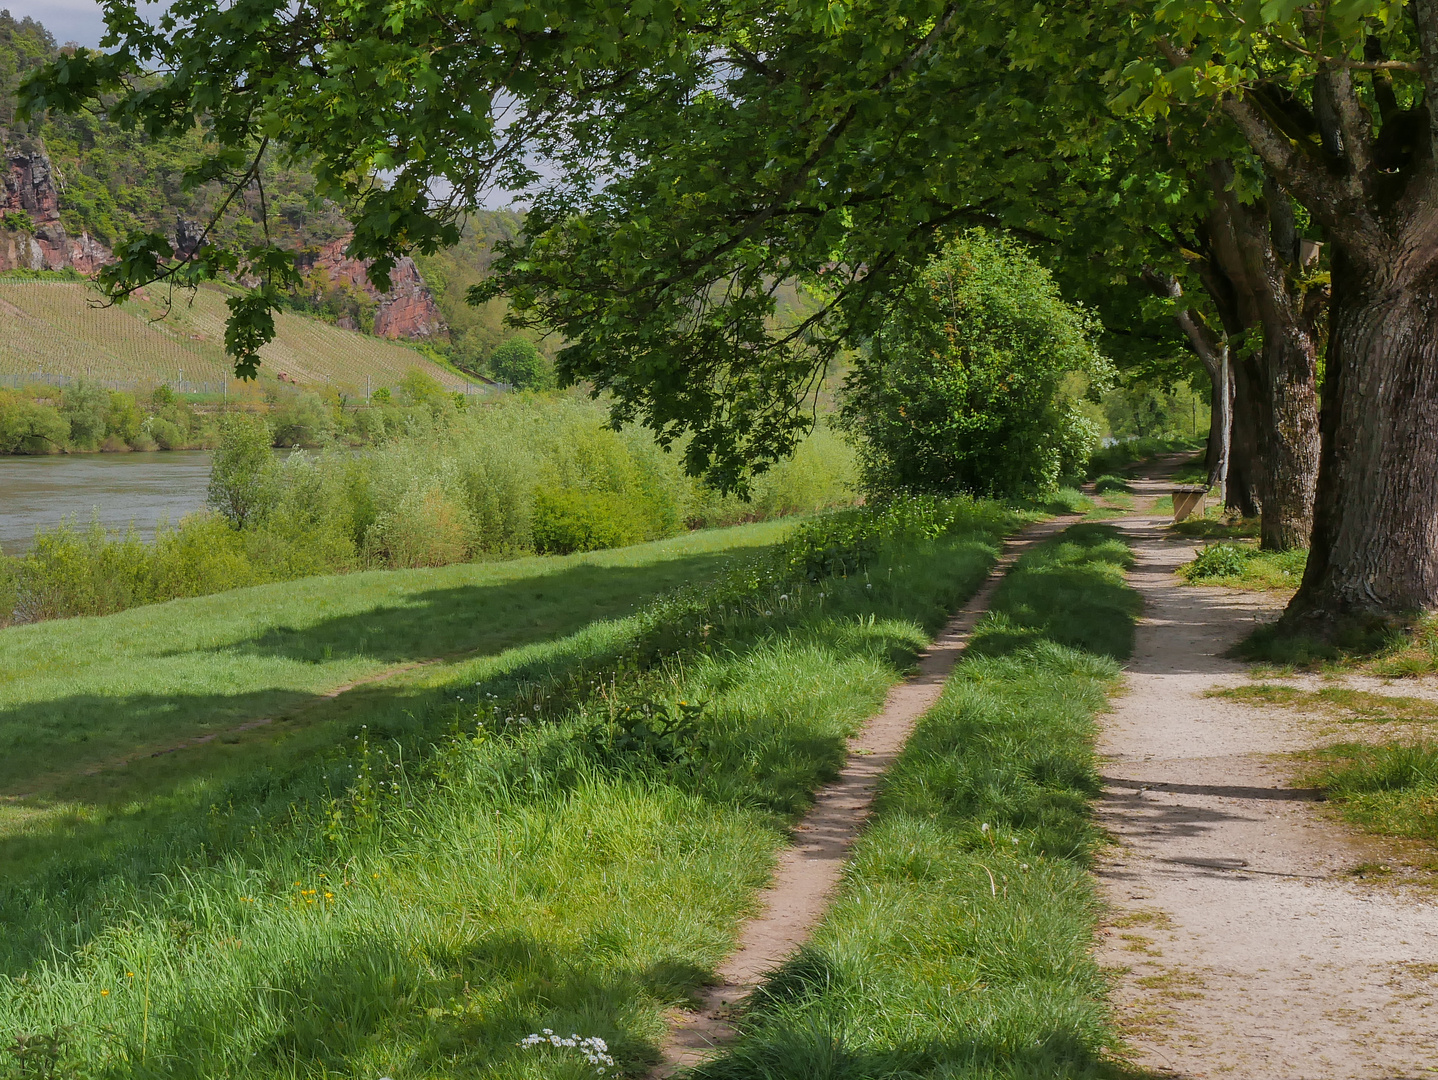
(1375, 536)
(1289, 433)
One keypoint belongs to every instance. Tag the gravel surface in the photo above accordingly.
(1243, 945)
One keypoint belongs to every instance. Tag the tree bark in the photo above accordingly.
(1245, 466)
(1375, 537)
(1256, 248)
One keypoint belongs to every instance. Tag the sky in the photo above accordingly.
(79, 21)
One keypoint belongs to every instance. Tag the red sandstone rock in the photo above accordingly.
(408, 310)
(27, 183)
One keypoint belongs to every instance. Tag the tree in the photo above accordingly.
(518, 363)
(962, 388)
(700, 155)
(243, 468)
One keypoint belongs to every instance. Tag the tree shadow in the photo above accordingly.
(469, 620)
(465, 1007)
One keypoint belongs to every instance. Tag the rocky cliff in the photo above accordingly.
(31, 234)
(408, 310)
(32, 237)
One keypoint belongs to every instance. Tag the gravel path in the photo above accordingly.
(1247, 949)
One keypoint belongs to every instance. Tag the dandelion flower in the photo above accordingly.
(104, 993)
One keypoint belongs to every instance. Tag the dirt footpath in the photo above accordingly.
(1247, 947)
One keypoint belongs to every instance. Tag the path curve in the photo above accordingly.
(808, 871)
(1246, 949)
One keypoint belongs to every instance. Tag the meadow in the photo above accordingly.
(557, 822)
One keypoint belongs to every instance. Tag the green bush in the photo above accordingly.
(570, 520)
(301, 419)
(31, 427)
(518, 363)
(1220, 561)
(966, 387)
(241, 468)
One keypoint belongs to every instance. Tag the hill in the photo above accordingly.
(53, 328)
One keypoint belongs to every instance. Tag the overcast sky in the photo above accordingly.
(79, 21)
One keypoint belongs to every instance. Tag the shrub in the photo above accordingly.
(518, 363)
(426, 528)
(30, 427)
(1219, 561)
(241, 468)
(166, 433)
(963, 387)
(202, 555)
(301, 419)
(87, 407)
(572, 520)
(69, 571)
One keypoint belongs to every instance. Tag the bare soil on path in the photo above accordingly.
(1242, 942)
(809, 870)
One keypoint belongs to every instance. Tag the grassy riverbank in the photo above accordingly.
(960, 944)
(561, 829)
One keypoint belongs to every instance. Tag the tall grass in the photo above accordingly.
(524, 475)
(564, 835)
(960, 943)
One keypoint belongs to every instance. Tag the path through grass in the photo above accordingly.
(960, 944)
(395, 890)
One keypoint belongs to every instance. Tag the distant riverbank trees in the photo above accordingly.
(85, 417)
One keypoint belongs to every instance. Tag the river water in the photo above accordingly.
(121, 488)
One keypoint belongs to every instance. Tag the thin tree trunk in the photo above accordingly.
(1245, 466)
(1375, 536)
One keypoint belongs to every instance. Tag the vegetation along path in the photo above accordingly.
(1248, 945)
(809, 870)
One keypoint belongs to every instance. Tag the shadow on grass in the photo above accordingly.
(332, 1010)
(1071, 593)
(73, 732)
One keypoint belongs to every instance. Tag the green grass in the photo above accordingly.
(52, 326)
(429, 868)
(82, 691)
(1390, 789)
(960, 943)
(1352, 706)
(1233, 564)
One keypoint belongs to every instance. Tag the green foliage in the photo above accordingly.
(519, 476)
(974, 870)
(1108, 459)
(962, 389)
(1220, 560)
(17, 221)
(1391, 788)
(519, 363)
(471, 785)
(28, 426)
(242, 468)
(1237, 565)
(1108, 482)
(575, 520)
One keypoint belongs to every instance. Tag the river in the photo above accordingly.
(120, 488)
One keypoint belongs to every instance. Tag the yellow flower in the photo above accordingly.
(104, 993)
(329, 896)
(129, 974)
